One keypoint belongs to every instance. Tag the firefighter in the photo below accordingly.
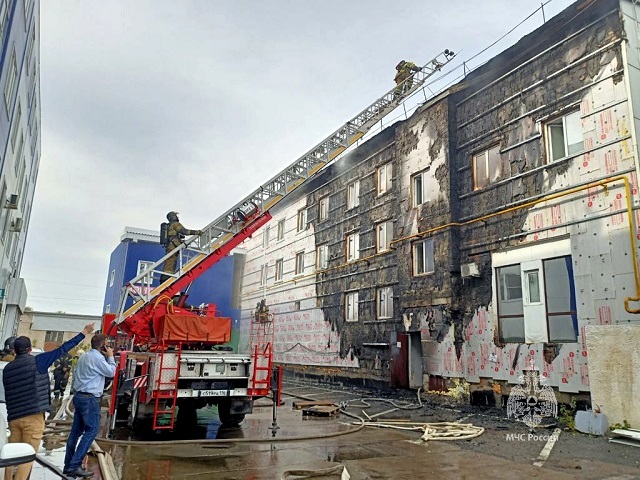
(176, 233)
(404, 70)
(61, 370)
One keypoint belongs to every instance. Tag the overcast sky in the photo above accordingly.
(158, 105)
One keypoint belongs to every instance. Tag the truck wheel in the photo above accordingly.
(227, 418)
(133, 414)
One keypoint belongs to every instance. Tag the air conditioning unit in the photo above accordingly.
(12, 202)
(469, 270)
(16, 225)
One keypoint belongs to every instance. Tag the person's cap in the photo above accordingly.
(22, 344)
(9, 342)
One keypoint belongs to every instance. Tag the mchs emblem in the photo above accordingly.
(531, 401)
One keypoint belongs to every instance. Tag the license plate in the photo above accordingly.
(213, 393)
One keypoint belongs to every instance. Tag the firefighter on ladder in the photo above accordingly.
(175, 234)
(404, 70)
(262, 312)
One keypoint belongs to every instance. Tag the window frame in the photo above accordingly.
(487, 167)
(353, 195)
(11, 80)
(264, 271)
(280, 232)
(385, 301)
(387, 228)
(58, 336)
(319, 256)
(299, 268)
(301, 220)
(425, 257)
(560, 120)
(142, 263)
(384, 185)
(265, 236)
(352, 255)
(278, 274)
(323, 209)
(112, 277)
(351, 304)
(422, 191)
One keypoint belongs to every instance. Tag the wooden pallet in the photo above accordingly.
(299, 405)
(321, 411)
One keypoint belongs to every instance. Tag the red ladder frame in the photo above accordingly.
(261, 348)
(168, 394)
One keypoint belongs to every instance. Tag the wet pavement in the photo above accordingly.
(371, 453)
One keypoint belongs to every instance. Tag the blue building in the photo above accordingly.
(19, 147)
(140, 248)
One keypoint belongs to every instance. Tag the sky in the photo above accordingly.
(156, 105)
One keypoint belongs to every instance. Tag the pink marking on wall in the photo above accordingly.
(633, 180)
(610, 161)
(585, 107)
(538, 221)
(604, 314)
(605, 123)
(583, 341)
(568, 367)
(471, 366)
(556, 215)
(482, 320)
(447, 360)
(617, 219)
(584, 375)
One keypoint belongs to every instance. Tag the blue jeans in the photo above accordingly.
(86, 421)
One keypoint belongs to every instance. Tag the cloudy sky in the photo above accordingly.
(158, 105)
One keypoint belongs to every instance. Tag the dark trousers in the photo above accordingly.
(86, 422)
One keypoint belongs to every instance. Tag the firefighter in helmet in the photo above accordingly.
(404, 70)
(176, 233)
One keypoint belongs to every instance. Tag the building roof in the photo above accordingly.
(135, 234)
(63, 322)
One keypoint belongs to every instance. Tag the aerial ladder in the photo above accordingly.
(143, 314)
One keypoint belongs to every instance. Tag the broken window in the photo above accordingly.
(564, 136)
(279, 270)
(299, 263)
(353, 247)
(351, 306)
(487, 167)
(537, 301)
(423, 261)
(281, 230)
(384, 235)
(384, 178)
(302, 219)
(323, 209)
(322, 256)
(385, 302)
(419, 188)
(353, 195)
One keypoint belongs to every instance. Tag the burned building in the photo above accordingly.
(493, 229)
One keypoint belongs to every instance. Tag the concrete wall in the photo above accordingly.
(614, 371)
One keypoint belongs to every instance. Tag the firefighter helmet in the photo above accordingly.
(172, 216)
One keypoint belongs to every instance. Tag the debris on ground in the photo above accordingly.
(629, 437)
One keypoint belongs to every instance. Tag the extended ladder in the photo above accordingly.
(261, 349)
(230, 224)
(166, 388)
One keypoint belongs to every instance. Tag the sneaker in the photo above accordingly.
(78, 472)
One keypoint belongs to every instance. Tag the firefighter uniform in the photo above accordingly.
(404, 70)
(175, 234)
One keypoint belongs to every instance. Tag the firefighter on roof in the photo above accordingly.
(175, 234)
(404, 70)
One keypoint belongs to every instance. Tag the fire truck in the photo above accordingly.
(174, 360)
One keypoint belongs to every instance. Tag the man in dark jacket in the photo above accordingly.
(61, 369)
(176, 233)
(28, 394)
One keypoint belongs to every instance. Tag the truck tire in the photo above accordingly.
(227, 418)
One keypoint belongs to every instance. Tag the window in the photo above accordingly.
(353, 247)
(419, 188)
(299, 263)
(3, 211)
(564, 136)
(112, 278)
(323, 209)
(353, 195)
(263, 275)
(53, 336)
(279, 270)
(12, 75)
(302, 219)
(265, 238)
(384, 235)
(384, 178)
(537, 302)
(487, 167)
(423, 261)
(322, 256)
(32, 41)
(296, 305)
(281, 230)
(351, 307)
(4, 17)
(16, 126)
(143, 266)
(107, 309)
(384, 302)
